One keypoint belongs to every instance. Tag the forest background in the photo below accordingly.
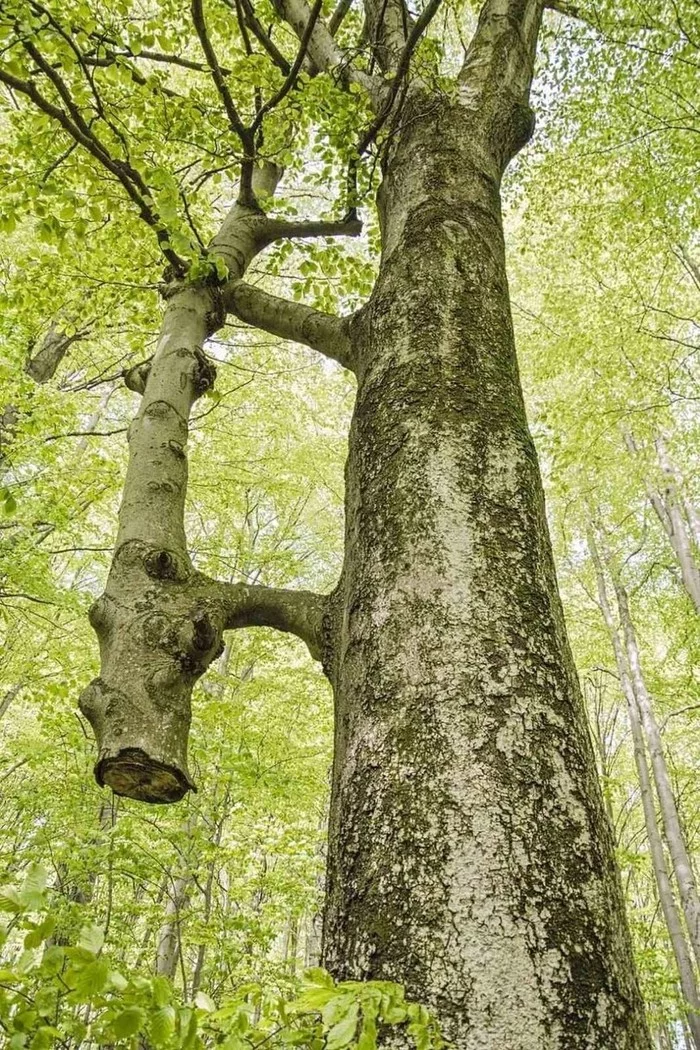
(218, 897)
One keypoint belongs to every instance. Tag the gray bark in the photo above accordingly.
(168, 946)
(42, 365)
(679, 944)
(160, 623)
(469, 853)
(10, 695)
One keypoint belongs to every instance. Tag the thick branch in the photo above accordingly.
(289, 320)
(419, 28)
(296, 612)
(338, 16)
(497, 72)
(386, 27)
(287, 229)
(323, 50)
(291, 80)
(562, 8)
(42, 365)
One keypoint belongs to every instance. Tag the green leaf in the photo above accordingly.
(117, 981)
(129, 1022)
(343, 1033)
(162, 1025)
(336, 1008)
(317, 975)
(32, 892)
(53, 960)
(203, 1001)
(45, 1037)
(92, 979)
(92, 939)
(10, 899)
(162, 991)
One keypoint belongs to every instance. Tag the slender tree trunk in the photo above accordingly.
(675, 838)
(11, 694)
(168, 947)
(159, 622)
(678, 519)
(600, 733)
(469, 853)
(681, 953)
(209, 887)
(676, 483)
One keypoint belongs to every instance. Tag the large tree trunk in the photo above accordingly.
(469, 857)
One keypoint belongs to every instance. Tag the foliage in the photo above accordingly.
(602, 225)
(56, 994)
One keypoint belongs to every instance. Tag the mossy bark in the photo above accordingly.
(469, 856)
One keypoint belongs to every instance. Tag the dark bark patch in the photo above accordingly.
(134, 774)
(204, 374)
(164, 565)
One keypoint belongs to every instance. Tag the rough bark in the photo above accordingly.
(469, 854)
(43, 364)
(674, 925)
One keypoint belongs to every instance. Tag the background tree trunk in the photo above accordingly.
(680, 857)
(676, 933)
(678, 518)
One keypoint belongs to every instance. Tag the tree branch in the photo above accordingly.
(291, 80)
(323, 332)
(287, 229)
(419, 28)
(42, 365)
(562, 8)
(386, 29)
(261, 36)
(497, 73)
(296, 612)
(124, 173)
(334, 24)
(338, 16)
(245, 134)
(216, 71)
(323, 50)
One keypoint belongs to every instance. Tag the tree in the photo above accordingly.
(630, 675)
(469, 854)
